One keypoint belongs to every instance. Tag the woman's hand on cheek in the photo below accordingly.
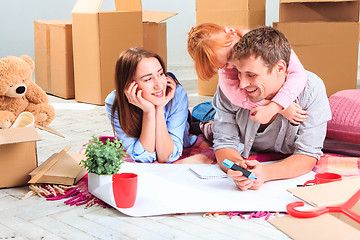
(134, 96)
(170, 90)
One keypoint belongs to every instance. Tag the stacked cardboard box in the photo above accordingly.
(54, 70)
(325, 36)
(100, 36)
(246, 14)
(154, 31)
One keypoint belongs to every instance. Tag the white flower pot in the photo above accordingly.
(96, 181)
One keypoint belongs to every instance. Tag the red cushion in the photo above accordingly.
(345, 122)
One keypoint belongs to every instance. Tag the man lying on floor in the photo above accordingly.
(261, 58)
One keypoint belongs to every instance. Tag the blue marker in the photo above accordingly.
(229, 164)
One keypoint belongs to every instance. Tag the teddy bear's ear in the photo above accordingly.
(28, 59)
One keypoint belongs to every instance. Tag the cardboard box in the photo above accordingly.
(333, 57)
(246, 14)
(319, 10)
(54, 70)
(154, 32)
(98, 39)
(325, 36)
(329, 225)
(17, 155)
(65, 171)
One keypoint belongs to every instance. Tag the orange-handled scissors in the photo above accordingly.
(344, 208)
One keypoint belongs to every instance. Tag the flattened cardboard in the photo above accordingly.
(326, 226)
(246, 14)
(333, 57)
(17, 155)
(65, 171)
(54, 71)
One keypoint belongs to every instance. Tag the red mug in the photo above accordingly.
(324, 178)
(125, 189)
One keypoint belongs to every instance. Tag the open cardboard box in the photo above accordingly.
(325, 36)
(100, 36)
(245, 14)
(327, 226)
(17, 155)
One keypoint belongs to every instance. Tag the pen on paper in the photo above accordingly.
(229, 164)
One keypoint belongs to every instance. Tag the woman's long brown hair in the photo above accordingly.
(130, 116)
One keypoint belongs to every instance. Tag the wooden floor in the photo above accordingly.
(36, 218)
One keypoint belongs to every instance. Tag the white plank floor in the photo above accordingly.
(36, 218)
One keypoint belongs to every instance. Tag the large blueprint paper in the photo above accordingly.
(173, 188)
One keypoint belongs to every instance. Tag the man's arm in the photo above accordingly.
(230, 154)
(292, 166)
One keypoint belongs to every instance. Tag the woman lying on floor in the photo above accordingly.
(149, 108)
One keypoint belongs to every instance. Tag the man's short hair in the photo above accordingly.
(265, 42)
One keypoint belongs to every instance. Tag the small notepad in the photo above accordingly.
(208, 171)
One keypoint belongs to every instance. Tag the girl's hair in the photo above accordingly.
(203, 41)
(130, 116)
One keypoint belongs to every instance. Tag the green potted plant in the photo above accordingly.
(103, 158)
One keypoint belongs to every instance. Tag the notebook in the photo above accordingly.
(206, 171)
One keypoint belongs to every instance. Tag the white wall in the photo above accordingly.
(17, 17)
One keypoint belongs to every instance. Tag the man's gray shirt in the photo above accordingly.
(234, 129)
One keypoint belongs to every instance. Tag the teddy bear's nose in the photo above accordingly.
(20, 90)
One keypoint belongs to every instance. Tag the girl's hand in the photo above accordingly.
(294, 113)
(263, 114)
(134, 97)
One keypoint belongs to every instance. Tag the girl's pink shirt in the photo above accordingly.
(293, 86)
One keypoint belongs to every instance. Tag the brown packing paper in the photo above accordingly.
(48, 165)
(65, 171)
(327, 226)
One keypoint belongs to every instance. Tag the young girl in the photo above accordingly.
(149, 109)
(210, 46)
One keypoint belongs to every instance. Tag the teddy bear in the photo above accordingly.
(18, 93)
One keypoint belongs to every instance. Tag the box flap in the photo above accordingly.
(50, 130)
(60, 22)
(128, 5)
(17, 135)
(299, 1)
(329, 194)
(152, 16)
(87, 6)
